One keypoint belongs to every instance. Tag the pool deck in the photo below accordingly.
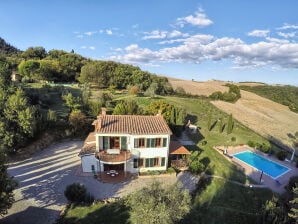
(276, 185)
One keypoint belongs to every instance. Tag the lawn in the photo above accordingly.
(218, 201)
(112, 213)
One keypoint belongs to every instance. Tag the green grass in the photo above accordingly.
(112, 213)
(218, 201)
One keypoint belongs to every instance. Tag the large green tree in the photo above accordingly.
(7, 185)
(158, 204)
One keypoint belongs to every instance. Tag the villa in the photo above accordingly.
(127, 143)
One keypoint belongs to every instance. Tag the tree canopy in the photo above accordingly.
(158, 204)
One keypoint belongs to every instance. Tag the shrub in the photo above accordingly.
(171, 170)
(233, 139)
(204, 142)
(293, 182)
(264, 147)
(196, 167)
(76, 192)
(251, 143)
(281, 155)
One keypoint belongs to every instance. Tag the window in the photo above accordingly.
(156, 161)
(149, 162)
(135, 163)
(139, 143)
(158, 142)
(153, 142)
(141, 162)
(163, 161)
(114, 142)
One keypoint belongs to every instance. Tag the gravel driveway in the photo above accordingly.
(42, 179)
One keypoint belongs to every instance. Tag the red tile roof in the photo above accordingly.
(90, 138)
(177, 149)
(132, 124)
(88, 149)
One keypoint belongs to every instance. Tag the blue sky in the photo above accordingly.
(201, 40)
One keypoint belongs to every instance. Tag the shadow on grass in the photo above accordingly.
(115, 212)
(218, 201)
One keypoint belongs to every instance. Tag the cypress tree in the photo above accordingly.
(220, 125)
(230, 124)
(209, 121)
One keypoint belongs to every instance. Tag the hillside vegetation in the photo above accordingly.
(286, 95)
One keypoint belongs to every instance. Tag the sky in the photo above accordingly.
(227, 40)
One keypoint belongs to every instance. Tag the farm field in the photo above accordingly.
(260, 114)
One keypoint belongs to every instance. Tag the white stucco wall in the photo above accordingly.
(87, 162)
(135, 152)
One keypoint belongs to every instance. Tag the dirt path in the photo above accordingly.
(260, 114)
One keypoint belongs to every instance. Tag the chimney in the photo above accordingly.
(103, 111)
(159, 113)
(98, 124)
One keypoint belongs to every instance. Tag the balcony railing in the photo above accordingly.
(120, 156)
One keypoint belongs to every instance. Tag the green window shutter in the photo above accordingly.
(105, 142)
(164, 142)
(147, 162)
(153, 142)
(148, 143)
(163, 161)
(151, 162)
(123, 143)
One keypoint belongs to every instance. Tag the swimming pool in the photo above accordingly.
(260, 163)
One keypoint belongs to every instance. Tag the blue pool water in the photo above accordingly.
(260, 163)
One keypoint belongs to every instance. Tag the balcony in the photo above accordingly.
(114, 156)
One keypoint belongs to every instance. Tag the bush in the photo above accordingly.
(281, 155)
(204, 142)
(264, 147)
(293, 182)
(233, 139)
(171, 170)
(251, 143)
(76, 192)
(196, 167)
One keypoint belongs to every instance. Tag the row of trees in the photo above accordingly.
(105, 74)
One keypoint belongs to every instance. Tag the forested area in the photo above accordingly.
(286, 95)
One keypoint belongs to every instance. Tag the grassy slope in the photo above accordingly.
(286, 95)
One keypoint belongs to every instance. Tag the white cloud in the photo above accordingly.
(177, 33)
(200, 47)
(161, 34)
(258, 33)
(90, 33)
(101, 31)
(92, 48)
(155, 34)
(79, 36)
(109, 32)
(287, 35)
(199, 19)
(288, 26)
(83, 47)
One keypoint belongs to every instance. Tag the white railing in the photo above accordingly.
(113, 151)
